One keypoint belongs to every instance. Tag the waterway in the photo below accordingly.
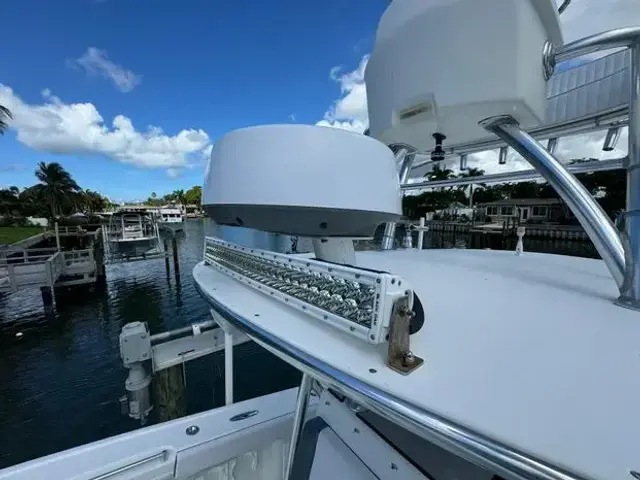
(61, 376)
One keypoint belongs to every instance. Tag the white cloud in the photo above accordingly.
(582, 18)
(78, 128)
(349, 112)
(587, 17)
(173, 172)
(95, 62)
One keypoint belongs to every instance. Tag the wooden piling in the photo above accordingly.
(176, 263)
(166, 256)
(48, 299)
(168, 389)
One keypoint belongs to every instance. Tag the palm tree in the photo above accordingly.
(178, 195)
(57, 186)
(5, 116)
(472, 172)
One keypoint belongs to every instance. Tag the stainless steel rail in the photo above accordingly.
(617, 117)
(182, 332)
(593, 219)
(473, 446)
(405, 157)
(532, 174)
(631, 295)
(616, 38)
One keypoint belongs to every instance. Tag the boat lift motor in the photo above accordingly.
(135, 351)
(451, 71)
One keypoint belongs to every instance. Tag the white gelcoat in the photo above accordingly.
(529, 350)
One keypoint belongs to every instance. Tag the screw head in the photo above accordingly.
(192, 430)
(409, 359)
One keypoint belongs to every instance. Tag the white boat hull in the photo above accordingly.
(173, 226)
(133, 247)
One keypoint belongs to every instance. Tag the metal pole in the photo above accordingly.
(632, 287)
(405, 157)
(532, 174)
(298, 421)
(421, 234)
(228, 368)
(57, 235)
(593, 219)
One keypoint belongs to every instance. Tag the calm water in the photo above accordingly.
(60, 381)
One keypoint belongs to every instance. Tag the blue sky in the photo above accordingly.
(205, 66)
(129, 95)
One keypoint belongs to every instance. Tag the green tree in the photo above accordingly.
(5, 116)
(194, 196)
(57, 186)
(9, 202)
(178, 196)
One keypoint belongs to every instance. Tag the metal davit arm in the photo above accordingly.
(593, 219)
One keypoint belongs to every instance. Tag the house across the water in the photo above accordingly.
(526, 209)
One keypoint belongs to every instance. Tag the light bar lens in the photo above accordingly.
(355, 300)
(348, 299)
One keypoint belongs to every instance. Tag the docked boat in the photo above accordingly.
(171, 218)
(404, 375)
(131, 233)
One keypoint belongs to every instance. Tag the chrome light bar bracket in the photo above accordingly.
(359, 302)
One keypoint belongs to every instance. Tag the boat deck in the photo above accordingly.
(523, 349)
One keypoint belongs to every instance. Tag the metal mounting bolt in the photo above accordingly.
(408, 359)
(192, 430)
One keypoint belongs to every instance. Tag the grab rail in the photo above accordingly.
(475, 447)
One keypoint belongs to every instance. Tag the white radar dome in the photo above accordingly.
(302, 180)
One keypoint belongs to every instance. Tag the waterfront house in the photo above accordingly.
(525, 209)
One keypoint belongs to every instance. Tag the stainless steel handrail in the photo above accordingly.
(473, 446)
(617, 117)
(531, 174)
(591, 216)
(616, 38)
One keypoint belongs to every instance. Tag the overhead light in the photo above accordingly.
(611, 139)
(502, 157)
(463, 161)
(357, 301)
(552, 144)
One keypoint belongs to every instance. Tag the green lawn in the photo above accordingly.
(10, 235)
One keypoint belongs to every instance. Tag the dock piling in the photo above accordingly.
(169, 386)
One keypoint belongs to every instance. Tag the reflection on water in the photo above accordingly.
(60, 380)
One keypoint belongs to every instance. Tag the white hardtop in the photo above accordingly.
(529, 350)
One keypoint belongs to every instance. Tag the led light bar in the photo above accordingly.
(355, 300)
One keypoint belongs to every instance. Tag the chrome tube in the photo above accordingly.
(595, 166)
(405, 157)
(593, 219)
(616, 38)
(612, 118)
(496, 457)
(631, 295)
(181, 332)
(298, 421)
